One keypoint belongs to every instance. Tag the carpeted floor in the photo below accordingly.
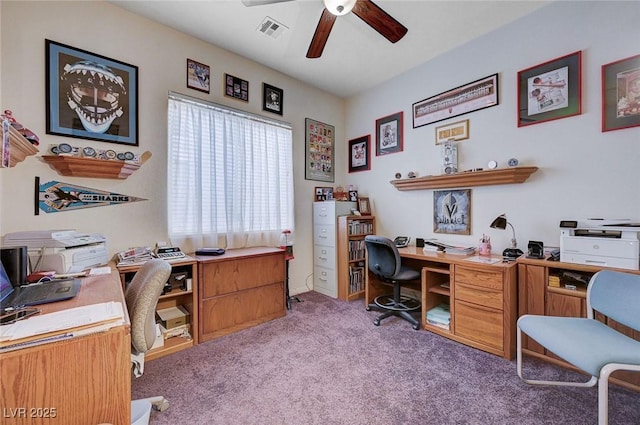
(326, 363)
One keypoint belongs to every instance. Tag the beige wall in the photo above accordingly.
(160, 54)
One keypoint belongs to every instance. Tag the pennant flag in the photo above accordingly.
(56, 196)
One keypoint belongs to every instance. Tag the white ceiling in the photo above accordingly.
(355, 57)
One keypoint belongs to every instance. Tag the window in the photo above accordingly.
(229, 176)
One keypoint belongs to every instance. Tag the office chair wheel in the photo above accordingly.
(416, 327)
(376, 322)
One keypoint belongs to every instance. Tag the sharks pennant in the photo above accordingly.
(56, 196)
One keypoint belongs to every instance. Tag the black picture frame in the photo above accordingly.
(236, 88)
(360, 154)
(198, 76)
(272, 99)
(479, 94)
(551, 90)
(621, 94)
(69, 73)
(390, 134)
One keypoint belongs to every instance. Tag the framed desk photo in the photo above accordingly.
(319, 144)
(90, 96)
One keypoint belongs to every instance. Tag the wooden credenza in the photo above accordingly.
(79, 381)
(538, 294)
(239, 289)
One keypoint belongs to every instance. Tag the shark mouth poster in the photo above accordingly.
(54, 196)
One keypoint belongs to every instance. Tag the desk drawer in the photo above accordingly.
(224, 277)
(480, 324)
(325, 282)
(324, 256)
(484, 278)
(475, 295)
(324, 234)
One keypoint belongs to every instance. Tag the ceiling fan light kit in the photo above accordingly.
(339, 7)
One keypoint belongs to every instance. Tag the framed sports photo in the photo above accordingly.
(90, 96)
(551, 90)
(360, 154)
(198, 76)
(452, 211)
(272, 99)
(621, 94)
(319, 141)
(236, 88)
(389, 134)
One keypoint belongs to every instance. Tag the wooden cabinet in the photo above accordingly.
(352, 270)
(325, 267)
(176, 297)
(481, 298)
(242, 288)
(542, 290)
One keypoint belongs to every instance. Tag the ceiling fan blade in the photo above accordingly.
(250, 3)
(379, 20)
(321, 35)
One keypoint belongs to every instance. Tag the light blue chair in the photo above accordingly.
(587, 343)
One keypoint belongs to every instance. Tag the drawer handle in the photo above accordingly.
(322, 236)
(323, 258)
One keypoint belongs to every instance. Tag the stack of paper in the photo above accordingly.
(134, 256)
(63, 324)
(439, 316)
(436, 245)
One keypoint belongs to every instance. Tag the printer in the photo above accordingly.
(601, 242)
(65, 251)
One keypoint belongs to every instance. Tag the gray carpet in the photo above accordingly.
(326, 363)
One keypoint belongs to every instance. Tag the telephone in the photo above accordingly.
(402, 241)
(169, 252)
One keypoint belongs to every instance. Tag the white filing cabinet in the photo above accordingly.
(325, 264)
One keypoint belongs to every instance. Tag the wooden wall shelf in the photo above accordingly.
(20, 147)
(91, 167)
(467, 179)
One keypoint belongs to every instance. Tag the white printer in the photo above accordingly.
(65, 251)
(601, 242)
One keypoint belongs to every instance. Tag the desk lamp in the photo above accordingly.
(501, 223)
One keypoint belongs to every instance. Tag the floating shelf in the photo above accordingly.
(91, 167)
(20, 147)
(466, 179)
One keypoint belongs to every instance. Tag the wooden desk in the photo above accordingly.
(482, 298)
(538, 296)
(242, 288)
(83, 381)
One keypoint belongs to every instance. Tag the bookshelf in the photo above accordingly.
(352, 268)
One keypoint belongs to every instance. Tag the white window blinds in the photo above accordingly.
(229, 176)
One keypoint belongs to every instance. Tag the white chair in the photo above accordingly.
(587, 343)
(141, 297)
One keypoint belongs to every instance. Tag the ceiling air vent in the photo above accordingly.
(271, 27)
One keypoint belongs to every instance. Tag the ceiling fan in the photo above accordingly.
(366, 10)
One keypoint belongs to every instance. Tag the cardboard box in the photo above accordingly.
(173, 316)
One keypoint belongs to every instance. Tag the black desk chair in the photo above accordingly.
(385, 262)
